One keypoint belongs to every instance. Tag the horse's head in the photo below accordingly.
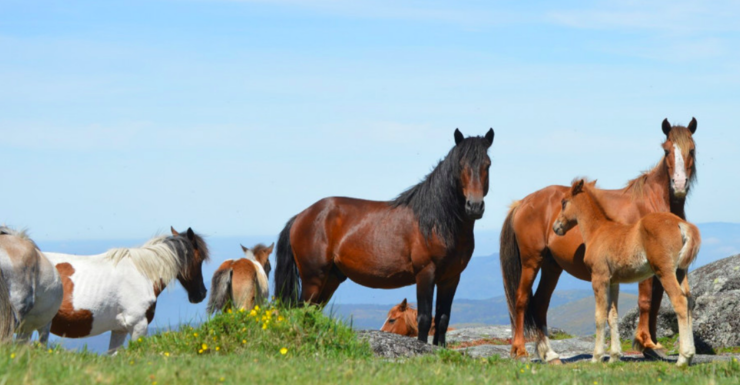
(191, 270)
(680, 158)
(401, 320)
(474, 165)
(261, 255)
(568, 217)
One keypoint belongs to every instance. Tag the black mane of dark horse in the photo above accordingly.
(437, 200)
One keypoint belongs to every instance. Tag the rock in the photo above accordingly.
(716, 292)
(569, 348)
(478, 333)
(391, 345)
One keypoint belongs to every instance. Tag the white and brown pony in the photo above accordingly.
(660, 244)
(242, 283)
(30, 287)
(117, 291)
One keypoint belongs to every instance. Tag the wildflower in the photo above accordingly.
(244, 341)
(51, 351)
(222, 379)
(195, 334)
(12, 356)
(140, 340)
(252, 313)
(522, 370)
(200, 351)
(204, 347)
(166, 354)
(229, 311)
(281, 318)
(257, 307)
(131, 362)
(284, 351)
(264, 327)
(241, 310)
(218, 348)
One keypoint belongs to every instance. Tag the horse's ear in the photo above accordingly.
(404, 304)
(458, 136)
(174, 232)
(269, 249)
(244, 249)
(489, 137)
(191, 235)
(577, 187)
(666, 126)
(692, 126)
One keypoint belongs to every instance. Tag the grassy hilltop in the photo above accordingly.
(274, 345)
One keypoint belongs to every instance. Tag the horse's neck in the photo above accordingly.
(591, 215)
(656, 196)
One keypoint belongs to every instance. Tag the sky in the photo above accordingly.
(122, 118)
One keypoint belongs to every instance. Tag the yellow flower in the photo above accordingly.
(241, 310)
(281, 318)
(522, 370)
(200, 351)
(222, 379)
(131, 362)
(264, 327)
(244, 341)
(229, 311)
(51, 351)
(204, 347)
(253, 313)
(195, 334)
(257, 307)
(139, 339)
(284, 351)
(166, 354)
(12, 356)
(218, 348)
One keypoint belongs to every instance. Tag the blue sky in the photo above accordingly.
(121, 118)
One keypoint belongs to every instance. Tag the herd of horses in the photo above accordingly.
(425, 236)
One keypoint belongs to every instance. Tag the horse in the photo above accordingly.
(660, 244)
(424, 236)
(242, 283)
(31, 289)
(401, 320)
(528, 244)
(117, 291)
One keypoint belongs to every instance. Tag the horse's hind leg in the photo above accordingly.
(335, 278)
(613, 317)
(539, 306)
(44, 334)
(680, 302)
(117, 338)
(530, 266)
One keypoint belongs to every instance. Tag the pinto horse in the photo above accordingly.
(30, 285)
(117, 291)
(424, 236)
(660, 244)
(242, 283)
(528, 244)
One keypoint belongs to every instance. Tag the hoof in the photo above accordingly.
(683, 361)
(522, 359)
(655, 354)
(614, 358)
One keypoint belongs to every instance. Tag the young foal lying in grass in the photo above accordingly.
(660, 244)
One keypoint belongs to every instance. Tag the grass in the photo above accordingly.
(304, 346)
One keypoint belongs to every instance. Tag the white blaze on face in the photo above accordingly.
(679, 178)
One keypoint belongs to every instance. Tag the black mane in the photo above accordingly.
(437, 201)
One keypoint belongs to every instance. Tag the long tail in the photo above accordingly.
(8, 318)
(692, 242)
(287, 281)
(220, 290)
(511, 269)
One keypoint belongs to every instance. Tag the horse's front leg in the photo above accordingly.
(600, 284)
(424, 298)
(44, 334)
(117, 338)
(615, 352)
(445, 295)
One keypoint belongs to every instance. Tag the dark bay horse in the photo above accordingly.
(424, 236)
(529, 245)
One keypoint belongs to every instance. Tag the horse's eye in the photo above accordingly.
(390, 321)
(667, 152)
(691, 152)
(564, 202)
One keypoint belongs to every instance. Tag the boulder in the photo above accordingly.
(389, 345)
(716, 292)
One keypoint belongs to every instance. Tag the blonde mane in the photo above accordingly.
(156, 259)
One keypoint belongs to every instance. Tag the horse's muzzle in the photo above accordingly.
(198, 297)
(474, 209)
(558, 228)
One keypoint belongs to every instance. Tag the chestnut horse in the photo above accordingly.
(424, 236)
(117, 291)
(402, 320)
(660, 244)
(242, 283)
(528, 243)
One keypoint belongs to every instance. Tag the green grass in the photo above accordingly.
(304, 346)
